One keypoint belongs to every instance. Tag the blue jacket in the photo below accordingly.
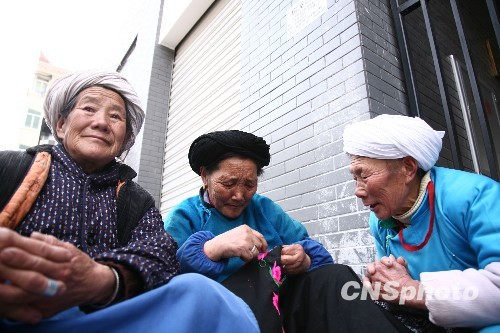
(193, 222)
(466, 226)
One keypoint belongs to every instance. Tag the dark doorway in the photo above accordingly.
(451, 59)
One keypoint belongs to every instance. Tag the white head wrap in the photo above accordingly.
(392, 137)
(68, 86)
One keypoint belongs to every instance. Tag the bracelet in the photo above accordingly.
(115, 292)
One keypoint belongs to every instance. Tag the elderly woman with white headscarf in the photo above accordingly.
(86, 239)
(436, 230)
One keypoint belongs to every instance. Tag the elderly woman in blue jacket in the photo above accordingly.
(229, 224)
(436, 229)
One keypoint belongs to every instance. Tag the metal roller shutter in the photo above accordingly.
(204, 94)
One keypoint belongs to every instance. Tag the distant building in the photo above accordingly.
(34, 129)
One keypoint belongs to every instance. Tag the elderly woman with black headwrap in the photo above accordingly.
(436, 230)
(79, 236)
(228, 224)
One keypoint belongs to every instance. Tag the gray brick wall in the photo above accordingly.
(154, 129)
(153, 144)
(299, 93)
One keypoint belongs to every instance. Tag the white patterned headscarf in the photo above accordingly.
(392, 137)
(66, 87)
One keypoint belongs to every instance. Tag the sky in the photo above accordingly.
(72, 34)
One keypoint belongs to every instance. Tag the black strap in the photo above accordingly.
(132, 203)
(13, 168)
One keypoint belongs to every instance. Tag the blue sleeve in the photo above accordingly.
(317, 252)
(180, 222)
(474, 201)
(194, 260)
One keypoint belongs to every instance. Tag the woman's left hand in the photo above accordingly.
(394, 282)
(294, 259)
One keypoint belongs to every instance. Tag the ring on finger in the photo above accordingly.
(51, 289)
(254, 249)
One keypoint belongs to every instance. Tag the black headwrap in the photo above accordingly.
(211, 147)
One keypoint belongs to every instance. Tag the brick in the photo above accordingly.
(275, 195)
(298, 136)
(316, 141)
(296, 90)
(322, 226)
(301, 187)
(299, 161)
(358, 255)
(289, 204)
(317, 168)
(294, 49)
(326, 72)
(283, 109)
(296, 68)
(274, 170)
(283, 88)
(356, 221)
(346, 189)
(304, 214)
(285, 154)
(299, 112)
(263, 100)
(338, 207)
(272, 105)
(310, 70)
(332, 94)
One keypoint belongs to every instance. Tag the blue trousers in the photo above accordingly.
(188, 303)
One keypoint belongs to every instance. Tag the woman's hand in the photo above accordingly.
(294, 259)
(87, 281)
(237, 242)
(29, 264)
(26, 265)
(391, 278)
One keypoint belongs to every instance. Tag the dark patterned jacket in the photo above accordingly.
(82, 209)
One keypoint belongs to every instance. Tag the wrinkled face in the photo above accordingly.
(232, 185)
(382, 185)
(93, 133)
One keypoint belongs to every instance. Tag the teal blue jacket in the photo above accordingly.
(193, 222)
(466, 230)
